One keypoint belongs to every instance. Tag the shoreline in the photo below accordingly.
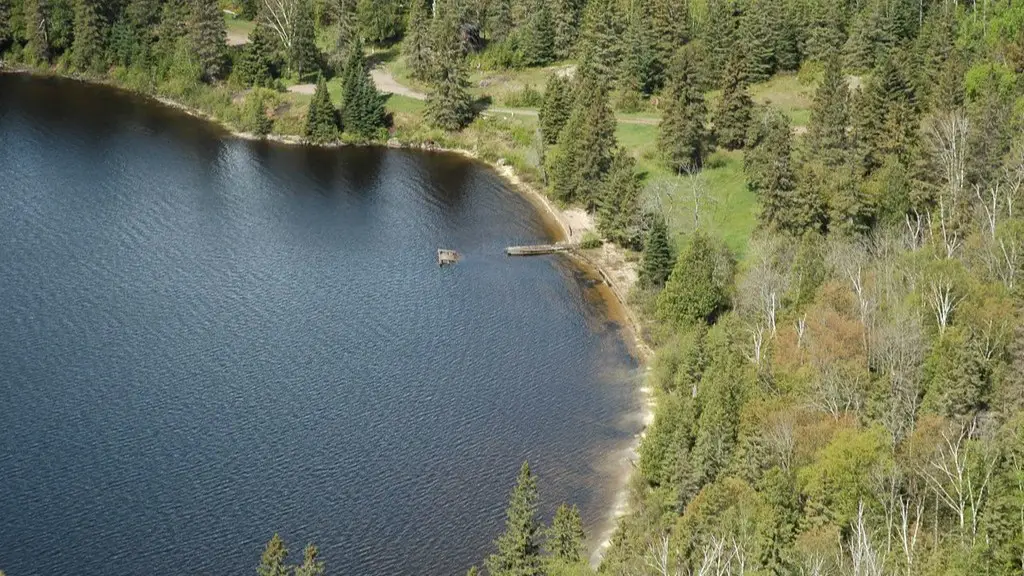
(604, 263)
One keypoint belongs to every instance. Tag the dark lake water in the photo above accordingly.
(205, 340)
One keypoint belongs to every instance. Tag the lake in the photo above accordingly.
(206, 340)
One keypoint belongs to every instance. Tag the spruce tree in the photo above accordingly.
(694, 291)
(555, 110)
(601, 36)
(566, 15)
(670, 29)
(565, 538)
(756, 38)
(6, 33)
(717, 39)
(827, 133)
(322, 125)
(585, 145)
(416, 46)
(618, 201)
(303, 55)
(208, 37)
(639, 67)
(253, 66)
(273, 560)
(499, 20)
(682, 137)
(657, 261)
(310, 565)
(37, 47)
(767, 165)
(348, 31)
(519, 546)
(537, 41)
(88, 50)
(732, 119)
(449, 105)
(362, 106)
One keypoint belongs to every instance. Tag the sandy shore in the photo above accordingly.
(609, 263)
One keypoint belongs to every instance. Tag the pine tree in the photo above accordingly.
(618, 201)
(272, 562)
(348, 30)
(303, 55)
(253, 66)
(555, 110)
(362, 106)
(639, 67)
(717, 39)
(449, 105)
(657, 261)
(254, 112)
(322, 124)
(417, 40)
(670, 29)
(601, 37)
(60, 25)
(778, 520)
(585, 145)
(518, 547)
(767, 165)
(310, 565)
(826, 134)
(826, 29)
(682, 137)
(499, 20)
(6, 33)
(756, 38)
(733, 116)
(566, 15)
(693, 292)
(565, 538)
(88, 51)
(208, 37)
(37, 47)
(537, 42)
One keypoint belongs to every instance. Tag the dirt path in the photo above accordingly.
(237, 38)
(302, 88)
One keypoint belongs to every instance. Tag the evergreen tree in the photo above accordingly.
(565, 17)
(254, 112)
(601, 35)
(6, 33)
(565, 538)
(37, 46)
(345, 11)
(756, 39)
(417, 40)
(657, 261)
(362, 106)
(310, 565)
(733, 117)
(449, 105)
(88, 51)
(303, 55)
(618, 201)
(769, 171)
(717, 39)
(272, 562)
(322, 124)
(694, 291)
(778, 521)
(639, 68)
(537, 42)
(60, 25)
(670, 29)
(518, 547)
(682, 137)
(208, 36)
(254, 65)
(499, 20)
(826, 30)
(585, 145)
(826, 134)
(555, 110)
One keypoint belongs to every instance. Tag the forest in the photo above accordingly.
(822, 197)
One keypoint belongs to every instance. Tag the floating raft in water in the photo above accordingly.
(446, 257)
(536, 250)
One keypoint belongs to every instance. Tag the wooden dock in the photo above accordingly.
(537, 250)
(446, 257)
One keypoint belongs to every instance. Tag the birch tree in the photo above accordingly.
(948, 135)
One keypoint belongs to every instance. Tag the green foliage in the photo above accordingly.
(565, 539)
(732, 120)
(208, 36)
(303, 54)
(519, 546)
(566, 15)
(682, 137)
(362, 110)
(657, 261)
(37, 46)
(322, 121)
(380, 20)
(555, 110)
(537, 42)
(449, 105)
(600, 37)
(88, 50)
(639, 72)
(253, 67)
(697, 288)
(254, 111)
(841, 475)
(310, 565)
(6, 29)
(585, 146)
(346, 14)
(618, 210)
(768, 168)
(499, 20)
(827, 133)
(417, 40)
(273, 560)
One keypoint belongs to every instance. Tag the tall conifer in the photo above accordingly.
(827, 132)
(565, 538)
(37, 47)
(449, 105)
(657, 261)
(555, 110)
(566, 15)
(345, 11)
(208, 35)
(618, 202)
(682, 137)
(417, 40)
(322, 123)
(88, 50)
(303, 55)
(732, 119)
(362, 106)
(585, 145)
(519, 546)
(601, 36)
(537, 38)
